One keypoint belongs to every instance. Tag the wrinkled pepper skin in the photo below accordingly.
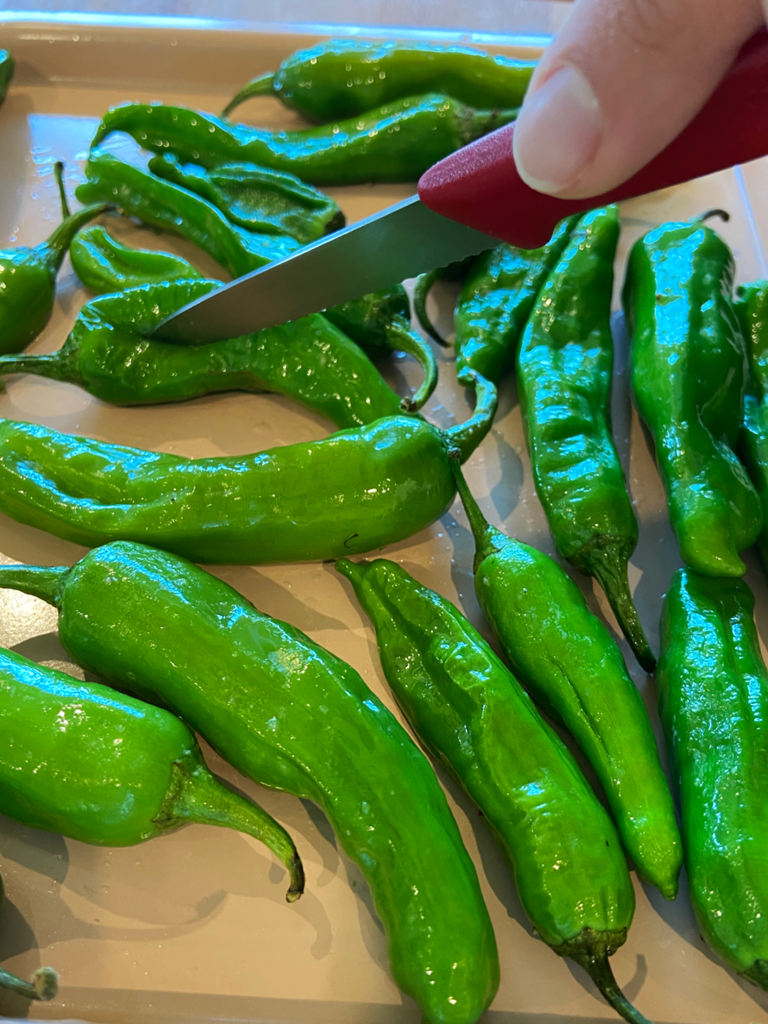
(296, 718)
(7, 68)
(571, 665)
(257, 198)
(564, 375)
(105, 265)
(45, 981)
(171, 208)
(346, 77)
(97, 766)
(109, 354)
(349, 493)
(473, 716)
(713, 699)
(689, 366)
(395, 142)
(752, 310)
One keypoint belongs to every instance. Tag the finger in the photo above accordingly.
(620, 81)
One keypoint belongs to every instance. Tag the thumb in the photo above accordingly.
(620, 81)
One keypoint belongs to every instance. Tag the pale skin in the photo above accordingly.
(620, 81)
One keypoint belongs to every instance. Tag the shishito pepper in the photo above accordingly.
(713, 699)
(348, 493)
(45, 981)
(97, 766)
(689, 366)
(473, 715)
(752, 310)
(567, 659)
(294, 717)
(564, 374)
(7, 67)
(257, 198)
(345, 77)
(395, 142)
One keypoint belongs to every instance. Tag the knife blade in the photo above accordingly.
(399, 242)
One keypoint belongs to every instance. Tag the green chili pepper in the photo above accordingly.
(165, 205)
(28, 277)
(568, 660)
(395, 142)
(7, 67)
(294, 717)
(105, 265)
(345, 77)
(713, 698)
(689, 365)
(257, 198)
(752, 310)
(564, 374)
(348, 493)
(109, 354)
(94, 765)
(476, 719)
(45, 981)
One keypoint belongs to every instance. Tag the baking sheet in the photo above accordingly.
(194, 926)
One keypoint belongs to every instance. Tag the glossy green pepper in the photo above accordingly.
(28, 277)
(567, 659)
(713, 698)
(45, 981)
(109, 354)
(689, 367)
(257, 198)
(348, 493)
(379, 323)
(97, 766)
(472, 714)
(396, 142)
(294, 717)
(752, 310)
(165, 205)
(346, 77)
(564, 375)
(7, 67)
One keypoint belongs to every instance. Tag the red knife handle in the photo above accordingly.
(480, 186)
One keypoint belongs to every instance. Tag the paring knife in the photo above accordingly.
(466, 203)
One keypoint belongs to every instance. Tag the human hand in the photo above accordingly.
(620, 81)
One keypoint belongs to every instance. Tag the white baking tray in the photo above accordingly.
(193, 926)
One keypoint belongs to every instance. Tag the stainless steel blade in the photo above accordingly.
(402, 241)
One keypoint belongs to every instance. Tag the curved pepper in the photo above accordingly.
(752, 310)
(165, 205)
(105, 265)
(564, 374)
(472, 714)
(45, 981)
(97, 766)
(296, 718)
(257, 198)
(28, 276)
(7, 68)
(345, 77)
(568, 660)
(713, 699)
(109, 354)
(396, 142)
(351, 492)
(689, 366)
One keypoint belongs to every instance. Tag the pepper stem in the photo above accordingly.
(200, 797)
(56, 247)
(467, 436)
(50, 365)
(599, 969)
(58, 173)
(261, 86)
(487, 538)
(722, 214)
(44, 984)
(608, 564)
(400, 338)
(423, 287)
(45, 582)
(475, 123)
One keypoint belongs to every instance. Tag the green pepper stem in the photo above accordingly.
(722, 214)
(401, 338)
(44, 984)
(487, 538)
(200, 797)
(58, 173)
(476, 123)
(261, 86)
(467, 436)
(45, 582)
(599, 969)
(55, 248)
(423, 287)
(608, 564)
(51, 365)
